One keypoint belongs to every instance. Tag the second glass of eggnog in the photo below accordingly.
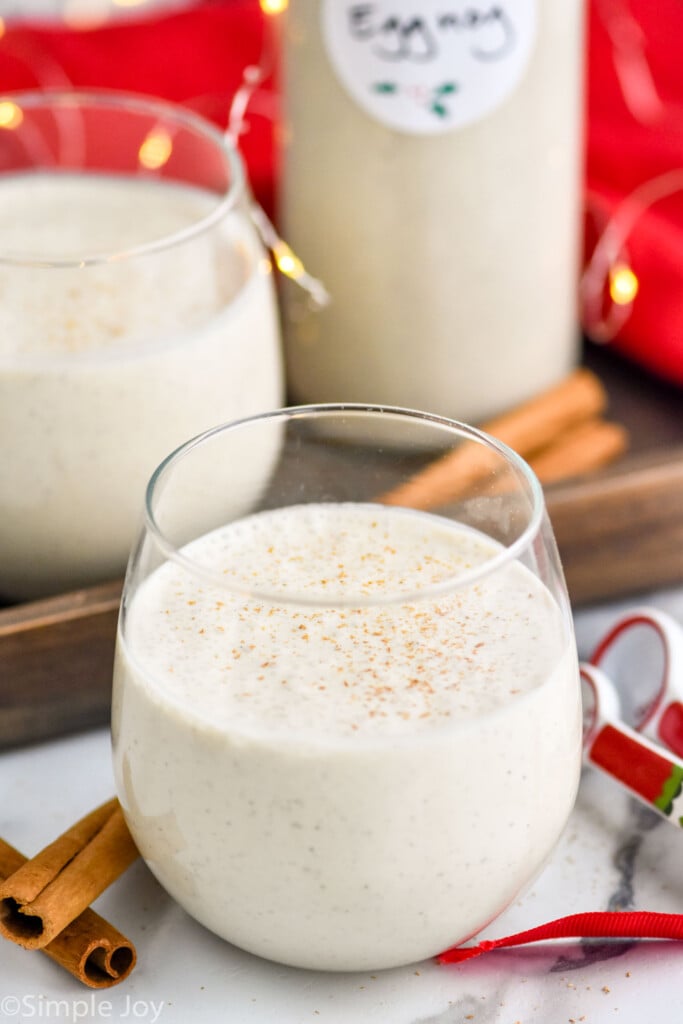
(346, 716)
(136, 309)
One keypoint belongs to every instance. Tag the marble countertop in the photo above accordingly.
(613, 854)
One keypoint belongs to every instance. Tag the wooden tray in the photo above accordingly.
(619, 532)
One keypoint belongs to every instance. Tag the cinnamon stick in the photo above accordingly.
(527, 429)
(89, 948)
(536, 423)
(49, 891)
(587, 447)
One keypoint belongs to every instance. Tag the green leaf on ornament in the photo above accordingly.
(446, 89)
(438, 108)
(384, 87)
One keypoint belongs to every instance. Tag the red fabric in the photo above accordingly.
(634, 128)
(195, 57)
(634, 134)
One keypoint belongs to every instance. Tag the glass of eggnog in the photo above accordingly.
(346, 714)
(136, 309)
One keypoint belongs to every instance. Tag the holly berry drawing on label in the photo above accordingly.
(429, 66)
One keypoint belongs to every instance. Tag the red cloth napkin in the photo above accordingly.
(634, 134)
(195, 56)
(634, 130)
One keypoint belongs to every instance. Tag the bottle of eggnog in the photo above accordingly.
(431, 173)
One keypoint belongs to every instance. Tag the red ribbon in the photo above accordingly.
(600, 924)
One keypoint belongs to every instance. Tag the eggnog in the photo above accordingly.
(109, 362)
(431, 173)
(340, 742)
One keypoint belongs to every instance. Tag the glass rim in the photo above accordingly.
(107, 99)
(507, 554)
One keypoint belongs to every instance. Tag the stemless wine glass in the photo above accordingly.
(136, 309)
(346, 716)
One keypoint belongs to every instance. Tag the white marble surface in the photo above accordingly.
(613, 854)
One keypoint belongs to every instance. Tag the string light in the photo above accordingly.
(274, 6)
(11, 115)
(3, 27)
(287, 262)
(156, 149)
(253, 76)
(623, 285)
(608, 269)
(631, 66)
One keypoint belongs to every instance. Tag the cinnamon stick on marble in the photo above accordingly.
(89, 948)
(47, 893)
(530, 427)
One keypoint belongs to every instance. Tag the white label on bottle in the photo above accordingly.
(429, 66)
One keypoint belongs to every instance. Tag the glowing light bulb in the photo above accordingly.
(274, 6)
(287, 262)
(11, 115)
(155, 150)
(623, 285)
(3, 27)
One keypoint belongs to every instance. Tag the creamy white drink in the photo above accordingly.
(107, 364)
(431, 174)
(343, 755)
